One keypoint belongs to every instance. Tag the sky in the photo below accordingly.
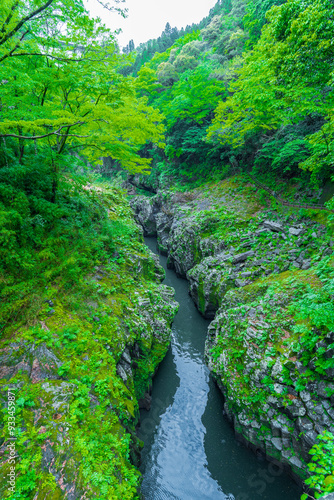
(147, 18)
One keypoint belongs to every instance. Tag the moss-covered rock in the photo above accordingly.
(76, 371)
(271, 369)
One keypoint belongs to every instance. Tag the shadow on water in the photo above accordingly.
(190, 451)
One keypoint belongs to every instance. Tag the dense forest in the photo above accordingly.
(145, 51)
(240, 92)
(248, 91)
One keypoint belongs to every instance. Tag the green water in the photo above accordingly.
(190, 450)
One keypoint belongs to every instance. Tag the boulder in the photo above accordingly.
(296, 231)
(241, 257)
(273, 226)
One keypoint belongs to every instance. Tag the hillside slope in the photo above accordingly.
(75, 365)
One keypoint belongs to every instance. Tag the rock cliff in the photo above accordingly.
(264, 276)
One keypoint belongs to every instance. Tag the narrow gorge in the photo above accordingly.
(250, 271)
(190, 449)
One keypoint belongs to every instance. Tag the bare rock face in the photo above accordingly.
(182, 248)
(164, 220)
(145, 210)
(209, 283)
(38, 362)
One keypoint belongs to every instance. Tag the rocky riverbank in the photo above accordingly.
(77, 371)
(265, 277)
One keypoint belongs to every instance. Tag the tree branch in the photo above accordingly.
(62, 59)
(10, 54)
(10, 15)
(97, 100)
(23, 21)
(56, 132)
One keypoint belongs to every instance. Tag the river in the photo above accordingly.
(190, 450)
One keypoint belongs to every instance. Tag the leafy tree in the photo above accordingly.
(186, 143)
(194, 96)
(130, 47)
(184, 62)
(147, 82)
(231, 43)
(57, 104)
(167, 74)
(192, 49)
(238, 12)
(226, 5)
(22, 20)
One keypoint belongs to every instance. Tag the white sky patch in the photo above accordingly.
(147, 18)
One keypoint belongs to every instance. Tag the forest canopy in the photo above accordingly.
(287, 78)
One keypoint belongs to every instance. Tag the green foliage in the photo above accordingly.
(194, 96)
(166, 74)
(180, 83)
(213, 31)
(255, 17)
(184, 62)
(275, 86)
(322, 466)
(170, 37)
(189, 38)
(231, 44)
(64, 91)
(316, 304)
(283, 155)
(72, 96)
